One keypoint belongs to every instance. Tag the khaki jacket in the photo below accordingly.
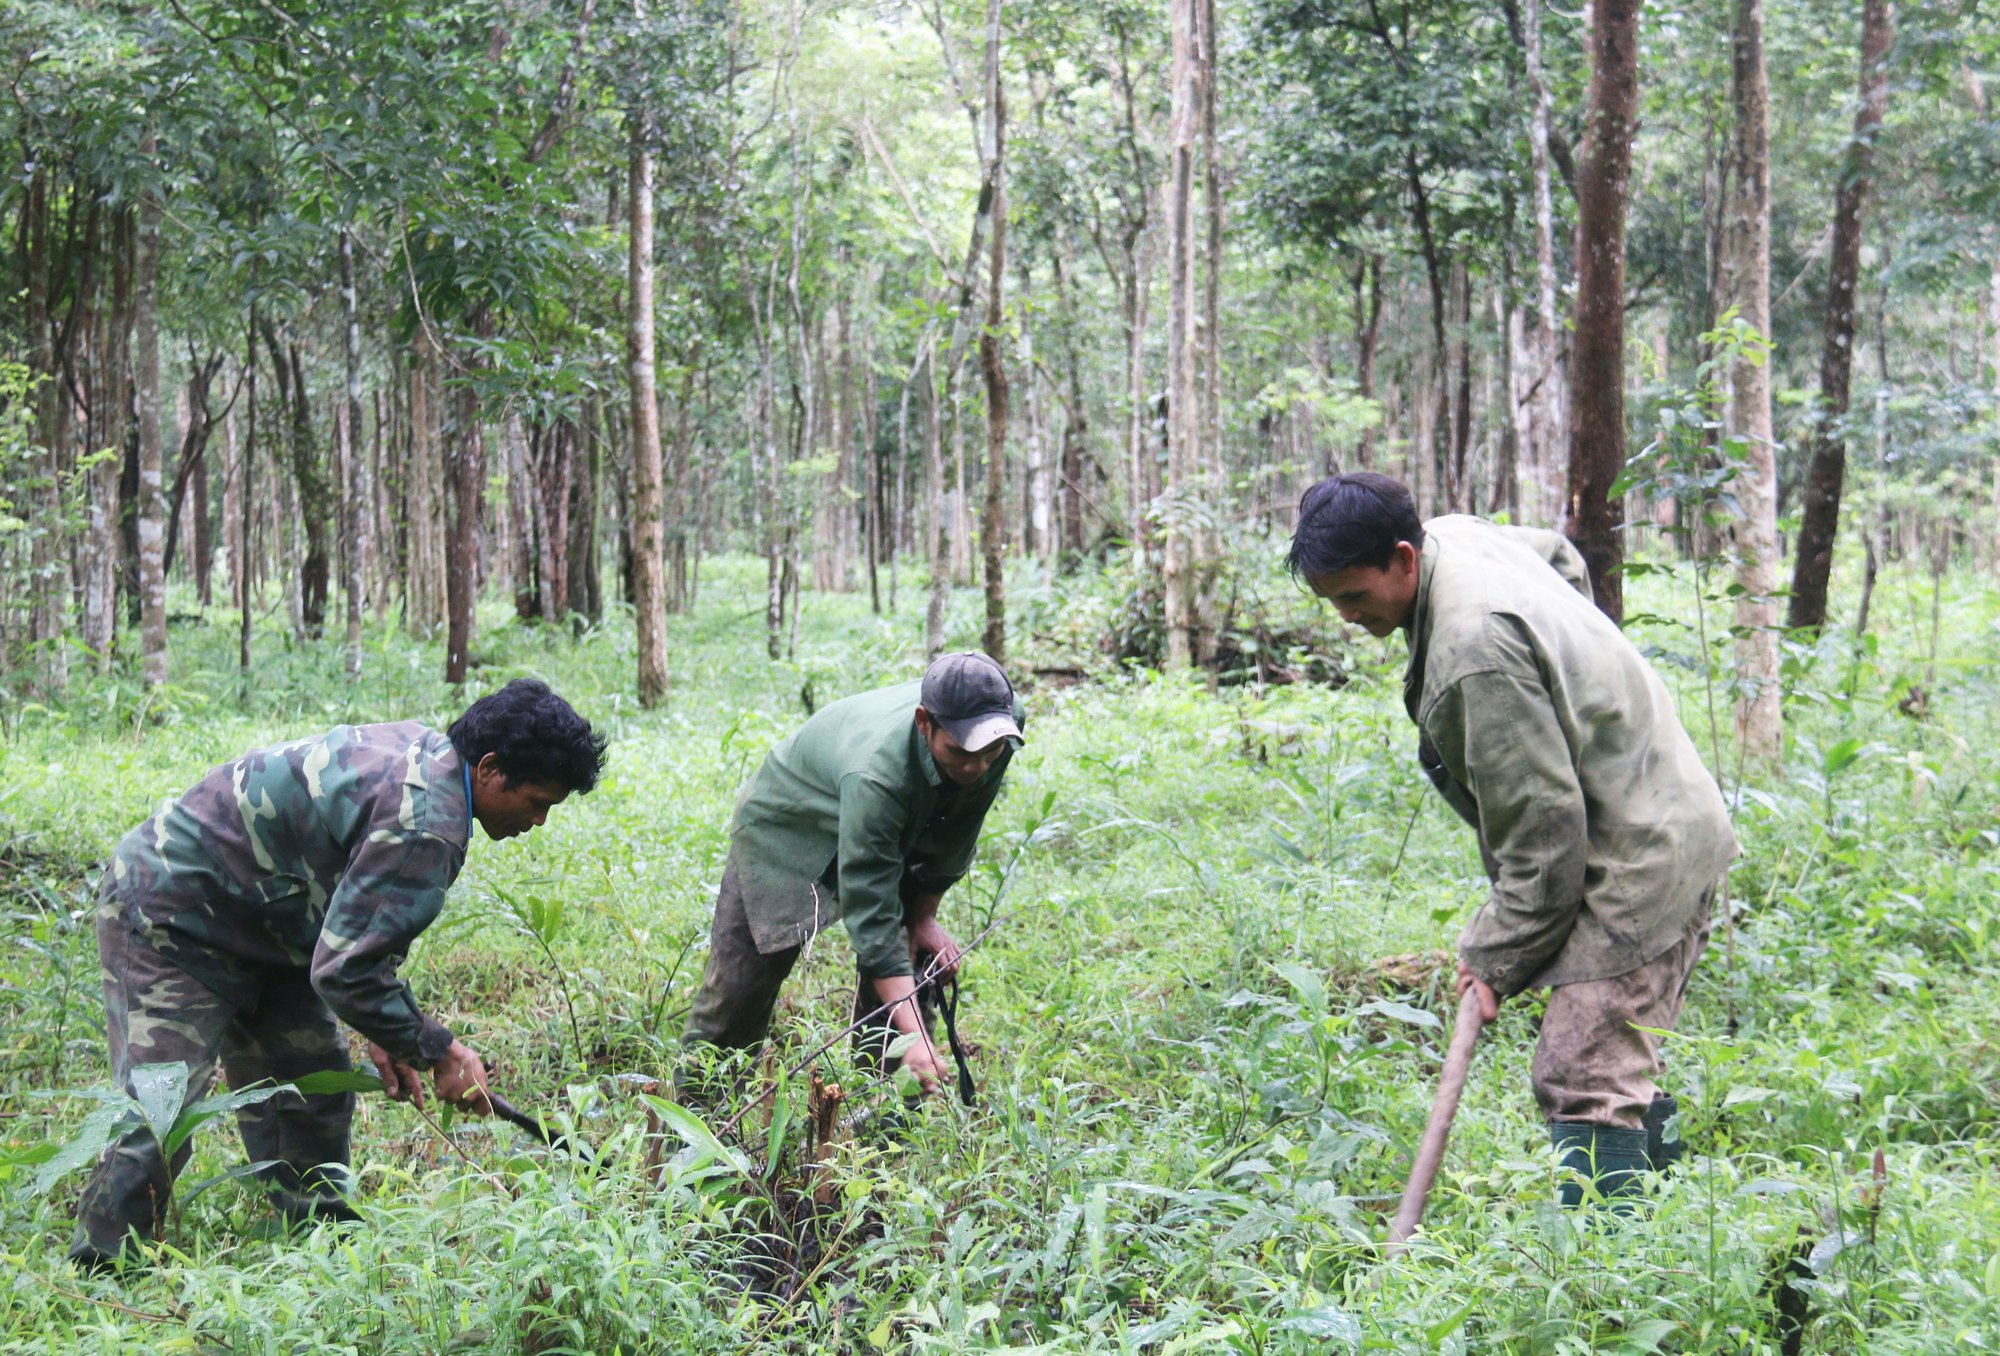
(1546, 730)
(847, 818)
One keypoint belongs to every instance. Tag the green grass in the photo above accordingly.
(1196, 1102)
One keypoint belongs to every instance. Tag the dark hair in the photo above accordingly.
(536, 735)
(1350, 520)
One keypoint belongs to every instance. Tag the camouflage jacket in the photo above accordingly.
(329, 855)
(1547, 731)
(848, 818)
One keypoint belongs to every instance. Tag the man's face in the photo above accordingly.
(959, 766)
(503, 810)
(1377, 598)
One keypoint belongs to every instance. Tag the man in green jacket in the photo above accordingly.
(248, 918)
(1602, 832)
(867, 813)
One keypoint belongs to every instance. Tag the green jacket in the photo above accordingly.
(1549, 733)
(327, 855)
(848, 818)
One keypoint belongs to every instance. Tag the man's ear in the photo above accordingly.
(924, 722)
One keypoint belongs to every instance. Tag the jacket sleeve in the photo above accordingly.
(392, 890)
(869, 873)
(1497, 733)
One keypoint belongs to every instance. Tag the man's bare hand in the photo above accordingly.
(1489, 1001)
(928, 934)
(461, 1079)
(401, 1081)
(924, 1064)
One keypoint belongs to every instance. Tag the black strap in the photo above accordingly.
(945, 991)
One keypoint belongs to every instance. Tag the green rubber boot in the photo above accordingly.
(1663, 1132)
(1613, 1159)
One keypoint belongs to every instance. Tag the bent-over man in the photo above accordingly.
(1603, 833)
(274, 900)
(867, 813)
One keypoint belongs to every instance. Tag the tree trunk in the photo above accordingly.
(584, 591)
(1367, 328)
(355, 511)
(151, 518)
(247, 499)
(465, 497)
(1545, 404)
(1597, 423)
(648, 557)
(109, 399)
(992, 360)
(1179, 565)
(941, 515)
(1819, 523)
(1758, 712)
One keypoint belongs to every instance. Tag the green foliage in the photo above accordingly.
(1199, 1090)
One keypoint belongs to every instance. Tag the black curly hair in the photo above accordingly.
(536, 735)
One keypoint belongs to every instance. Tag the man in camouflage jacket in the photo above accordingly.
(1603, 833)
(274, 900)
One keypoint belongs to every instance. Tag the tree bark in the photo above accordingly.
(360, 492)
(992, 359)
(1597, 425)
(151, 517)
(1819, 522)
(1545, 404)
(1179, 561)
(648, 558)
(1758, 711)
(465, 494)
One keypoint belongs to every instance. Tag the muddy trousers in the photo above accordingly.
(739, 989)
(1594, 1069)
(1593, 1064)
(270, 1027)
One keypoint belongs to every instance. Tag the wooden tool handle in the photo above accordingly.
(1430, 1151)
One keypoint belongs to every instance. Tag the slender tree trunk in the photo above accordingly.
(1179, 565)
(354, 518)
(1463, 497)
(1597, 424)
(465, 489)
(584, 596)
(1545, 405)
(1758, 713)
(246, 495)
(151, 516)
(1819, 523)
(941, 515)
(1367, 328)
(648, 557)
(992, 360)
(108, 412)
(523, 545)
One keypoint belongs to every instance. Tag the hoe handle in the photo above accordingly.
(1430, 1152)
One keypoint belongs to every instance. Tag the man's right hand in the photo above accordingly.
(1489, 1001)
(922, 1060)
(460, 1078)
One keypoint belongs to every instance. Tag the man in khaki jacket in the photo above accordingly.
(1603, 833)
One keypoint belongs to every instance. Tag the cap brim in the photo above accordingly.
(981, 732)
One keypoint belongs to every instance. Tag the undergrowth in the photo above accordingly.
(1208, 1016)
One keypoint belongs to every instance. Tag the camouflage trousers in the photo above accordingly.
(1592, 1063)
(739, 989)
(264, 1025)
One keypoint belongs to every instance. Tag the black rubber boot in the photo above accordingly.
(1612, 1159)
(1663, 1132)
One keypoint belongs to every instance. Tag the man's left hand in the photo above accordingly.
(929, 935)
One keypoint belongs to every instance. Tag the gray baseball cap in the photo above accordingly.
(970, 697)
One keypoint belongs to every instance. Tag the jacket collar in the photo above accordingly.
(1420, 620)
